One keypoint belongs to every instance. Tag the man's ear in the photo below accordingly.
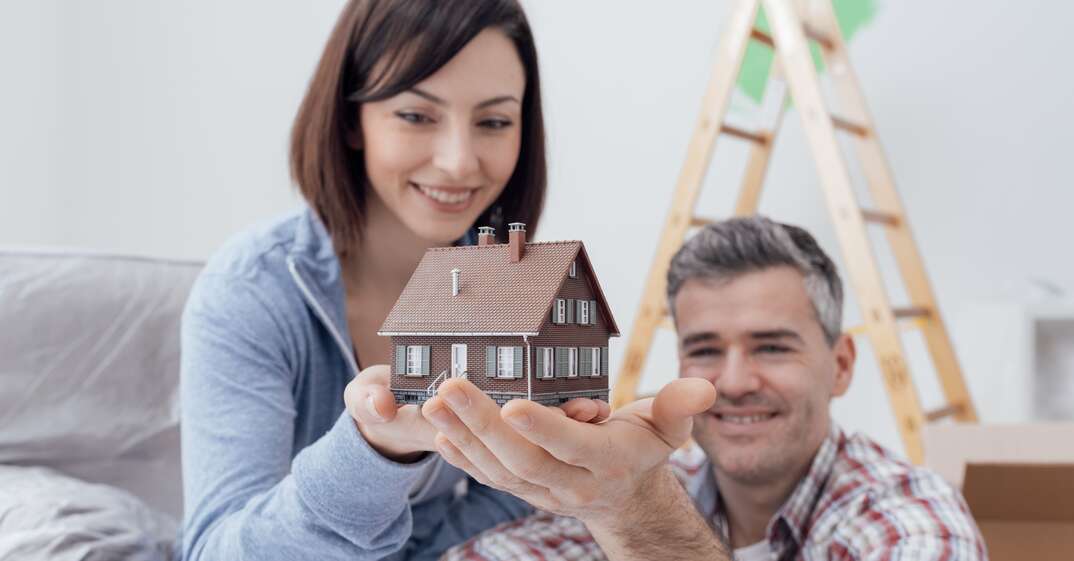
(845, 353)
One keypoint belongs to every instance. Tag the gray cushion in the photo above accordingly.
(89, 368)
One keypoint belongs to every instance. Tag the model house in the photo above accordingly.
(519, 320)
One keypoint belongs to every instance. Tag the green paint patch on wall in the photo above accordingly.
(852, 15)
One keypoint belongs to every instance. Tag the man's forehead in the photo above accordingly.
(771, 300)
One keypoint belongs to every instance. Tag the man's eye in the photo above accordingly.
(495, 124)
(772, 349)
(415, 118)
(705, 352)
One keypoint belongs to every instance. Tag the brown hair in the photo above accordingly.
(414, 38)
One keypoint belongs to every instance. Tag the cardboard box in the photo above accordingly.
(1018, 481)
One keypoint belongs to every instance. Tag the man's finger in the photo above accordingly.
(564, 438)
(676, 404)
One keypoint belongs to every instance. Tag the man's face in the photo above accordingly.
(758, 340)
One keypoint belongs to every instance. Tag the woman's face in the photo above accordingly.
(439, 154)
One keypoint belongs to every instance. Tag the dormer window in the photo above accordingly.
(573, 273)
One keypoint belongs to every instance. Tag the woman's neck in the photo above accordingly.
(386, 256)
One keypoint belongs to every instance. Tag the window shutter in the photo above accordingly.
(586, 360)
(425, 360)
(540, 362)
(570, 311)
(592, 312)
(518, 362)
(578, 313)
(400, 359)
(561, 363)
(490, 362)
(604, 361)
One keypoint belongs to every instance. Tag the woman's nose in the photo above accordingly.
(455, 154)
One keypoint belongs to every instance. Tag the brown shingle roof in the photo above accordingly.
(495, 295)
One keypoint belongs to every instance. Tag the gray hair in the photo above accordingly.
(722, 251)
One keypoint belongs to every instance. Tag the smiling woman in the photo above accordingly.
(422, 121)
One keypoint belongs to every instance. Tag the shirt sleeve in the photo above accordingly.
(244, 497)
(920, 518)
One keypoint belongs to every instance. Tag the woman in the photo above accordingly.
(423, 119)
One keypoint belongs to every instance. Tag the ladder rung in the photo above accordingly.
(762, 37)
(819, 37)
(943, 412)
(759, 138)
(851, 127)
(880, 217)
(911, 312)
(864, 329)
(700, 221)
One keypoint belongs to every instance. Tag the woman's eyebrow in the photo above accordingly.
(440, 101)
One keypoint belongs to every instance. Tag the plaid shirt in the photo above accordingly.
(857, 502)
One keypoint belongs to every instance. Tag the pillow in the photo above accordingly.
(47, 515)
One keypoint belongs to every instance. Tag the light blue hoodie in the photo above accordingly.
(273, 466)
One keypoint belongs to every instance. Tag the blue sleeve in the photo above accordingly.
(244, 497)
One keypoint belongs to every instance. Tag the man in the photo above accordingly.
(757, 306)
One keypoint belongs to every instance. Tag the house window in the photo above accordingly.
(413, 360)
(505, 362)
(548, 362)
(561, 310)
(594, 361)
(572, 362)
(583, 312)
(574, 270)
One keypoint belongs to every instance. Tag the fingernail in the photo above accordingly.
(457, 398)
(371, 405)
(520, 422)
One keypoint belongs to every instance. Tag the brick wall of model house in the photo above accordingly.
(551, 335)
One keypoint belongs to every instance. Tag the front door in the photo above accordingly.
(458, 360)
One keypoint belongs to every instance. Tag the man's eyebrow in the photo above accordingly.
(777, 334)
(695, 338)
(488, 102)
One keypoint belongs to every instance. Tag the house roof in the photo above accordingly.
(495, 296)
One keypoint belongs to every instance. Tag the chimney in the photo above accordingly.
(455, 282)
(486, 235)
(516, 240)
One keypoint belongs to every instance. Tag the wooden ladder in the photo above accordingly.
(794, 23)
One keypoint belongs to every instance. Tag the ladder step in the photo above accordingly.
(849, 126)
(880, 217)
(819, 37)
(943, 412)
(700, 221)
(762, 37)
(759, 138)
(911, 312)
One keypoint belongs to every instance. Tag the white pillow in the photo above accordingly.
(47, 515)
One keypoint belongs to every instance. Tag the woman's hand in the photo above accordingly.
(401, 433)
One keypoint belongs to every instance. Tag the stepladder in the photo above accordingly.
(795, 25)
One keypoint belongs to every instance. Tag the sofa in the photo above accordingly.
(89, 404)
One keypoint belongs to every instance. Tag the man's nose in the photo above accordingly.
(455, 154)
(737, 378)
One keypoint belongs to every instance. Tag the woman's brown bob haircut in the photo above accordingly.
(413, 38)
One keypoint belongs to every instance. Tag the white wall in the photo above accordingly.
(160, 128)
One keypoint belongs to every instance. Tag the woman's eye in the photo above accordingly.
(415, 118)
(495, 124)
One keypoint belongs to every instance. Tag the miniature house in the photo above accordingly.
(519, 320)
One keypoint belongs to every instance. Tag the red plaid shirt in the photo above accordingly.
(857, 502)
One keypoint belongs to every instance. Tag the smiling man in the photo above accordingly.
(757, 306)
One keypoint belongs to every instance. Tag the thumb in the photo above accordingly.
(677, 403)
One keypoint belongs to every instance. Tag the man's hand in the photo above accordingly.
(590, 471)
